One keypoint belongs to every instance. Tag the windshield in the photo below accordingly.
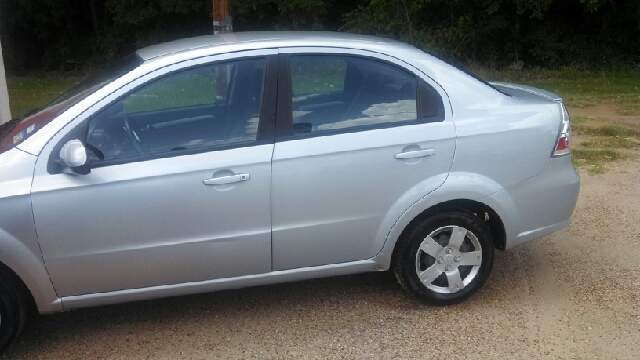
(17, 130)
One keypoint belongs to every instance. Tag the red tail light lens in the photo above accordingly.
(563, 146)
(563, 143)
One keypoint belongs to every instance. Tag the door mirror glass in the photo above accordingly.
(73, 154)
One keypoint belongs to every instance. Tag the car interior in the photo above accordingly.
(372, 93)
(228, 118)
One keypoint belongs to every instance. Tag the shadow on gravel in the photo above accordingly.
(366, 297)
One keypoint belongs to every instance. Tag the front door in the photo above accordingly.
(179, 190)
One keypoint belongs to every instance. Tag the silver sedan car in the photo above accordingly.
(246, 159)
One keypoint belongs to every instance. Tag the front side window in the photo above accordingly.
(204, 106)
(344, 92)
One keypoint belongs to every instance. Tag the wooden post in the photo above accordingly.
(5, 113)
(222, 22)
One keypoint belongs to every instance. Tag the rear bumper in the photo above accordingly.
(538, 206)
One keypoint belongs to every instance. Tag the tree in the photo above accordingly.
(75, 34)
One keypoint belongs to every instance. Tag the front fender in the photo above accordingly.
(29, 266)
(19, 248)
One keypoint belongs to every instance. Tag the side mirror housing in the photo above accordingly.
(73, 156)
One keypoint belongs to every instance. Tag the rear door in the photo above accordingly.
(356, 134)
(181, 189)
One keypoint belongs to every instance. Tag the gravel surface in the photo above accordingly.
(573, 294)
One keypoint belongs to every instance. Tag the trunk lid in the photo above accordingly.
(525, 91)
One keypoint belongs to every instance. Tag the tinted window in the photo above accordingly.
(317, 75)
(431, 106)
(205, 106)
(342, 92)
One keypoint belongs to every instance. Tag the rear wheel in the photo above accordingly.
(445, 259)
(13, 308)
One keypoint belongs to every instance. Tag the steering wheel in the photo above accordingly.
(135, 140)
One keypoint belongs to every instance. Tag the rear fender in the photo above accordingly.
(458, 186)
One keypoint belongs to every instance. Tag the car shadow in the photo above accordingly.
(369, 295)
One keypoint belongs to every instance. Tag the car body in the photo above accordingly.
(138, 185)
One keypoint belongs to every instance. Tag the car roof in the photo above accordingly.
(269, 39)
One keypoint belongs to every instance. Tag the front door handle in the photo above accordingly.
(415, 154)
(230, 179)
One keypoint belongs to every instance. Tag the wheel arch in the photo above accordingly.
(30, 272)
(488, 215)
(11, 276)
(481, 210)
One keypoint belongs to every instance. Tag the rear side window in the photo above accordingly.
(346, 93)
(317, 75)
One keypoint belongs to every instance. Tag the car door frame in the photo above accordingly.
(152, 72)
(284, 118)
(284, 132)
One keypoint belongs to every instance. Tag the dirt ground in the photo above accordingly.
(571, 295)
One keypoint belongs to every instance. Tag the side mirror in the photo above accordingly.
(73, 156)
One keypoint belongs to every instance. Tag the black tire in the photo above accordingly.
(13, 308)
(407, 262)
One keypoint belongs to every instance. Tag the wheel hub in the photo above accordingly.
(441, 265)
(449, 259)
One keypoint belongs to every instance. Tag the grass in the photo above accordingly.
(311, 85)
(606, 143)
(603, 143)
(595, 159)
(578, 120)
(317, 75)
(603, 130)
(175, 91)
(183, 89)
(32, 92)
(580, 88)
(28, 93)
(610, 143)
(577, 87)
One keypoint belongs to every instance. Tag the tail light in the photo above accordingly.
(563, 145)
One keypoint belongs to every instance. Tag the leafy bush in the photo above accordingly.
(76, 35)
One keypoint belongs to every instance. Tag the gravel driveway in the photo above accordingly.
(574, 294)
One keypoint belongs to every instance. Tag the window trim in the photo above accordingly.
(421, 103)
(266, 123)
(176, 153)
(284, 116)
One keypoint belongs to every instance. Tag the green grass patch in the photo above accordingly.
(603, 130)
(317, 75)
(184, 89)
(578, 120)
(27, 93)
(580, 88)
(610, 143)
(315, 84)
(595, 159)
(606, 143)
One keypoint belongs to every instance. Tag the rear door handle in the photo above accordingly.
(416, 154)
(224, 180)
